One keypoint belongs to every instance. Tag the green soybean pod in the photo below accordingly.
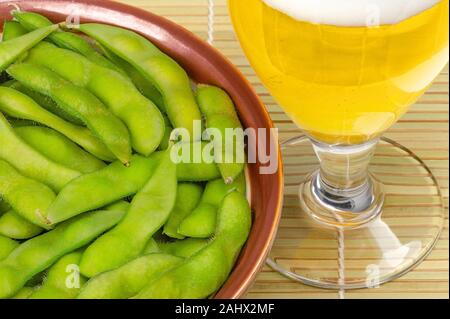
(204, 273)
(7, 245)
(63, 280)
(12, 30)
(220, 114)
(183, 248)
(151, 247)
(127, 280)
(165, 142)
(37, 254)
(202, 222)
(78, 102)
(71, 41)
(98, 189)
(167, 75)
(192, 169)
(59, 148)
(44, 101)
(143, 85)
(188, 196)
(142, 118)
(149, 210)
(14, 226)
(19, 105)
(23, 293)
(11, 50)
(27, 197)
(30, 162)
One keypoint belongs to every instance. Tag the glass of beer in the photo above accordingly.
(346, 71)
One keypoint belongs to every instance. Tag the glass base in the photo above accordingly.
(344, 249)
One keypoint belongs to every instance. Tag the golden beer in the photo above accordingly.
(343, 84)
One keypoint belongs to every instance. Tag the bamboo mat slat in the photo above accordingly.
(424, 130)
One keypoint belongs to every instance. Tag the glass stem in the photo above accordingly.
(343, 187)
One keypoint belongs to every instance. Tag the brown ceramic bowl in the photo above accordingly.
(205, 65)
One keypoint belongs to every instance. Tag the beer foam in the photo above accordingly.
(351, 12)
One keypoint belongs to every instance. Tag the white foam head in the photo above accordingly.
(351, 12)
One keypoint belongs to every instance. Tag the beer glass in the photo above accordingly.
(345, 71)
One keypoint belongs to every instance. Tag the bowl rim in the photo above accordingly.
(216, 58)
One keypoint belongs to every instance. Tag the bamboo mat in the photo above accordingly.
(424, 130)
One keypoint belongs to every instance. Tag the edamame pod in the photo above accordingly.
(12, 30)
(220, 114)
(23, 293)
(204, 273)
(126, 281)
(71, 41)
(190, 170)
(27, 197)
(63, 280)
(59, 148)
(149, 210)
(78, 102)
(103, 187)
(160, 69)
(37, 254)
(142, 84)
(44, 101)
(183, 248)
(188, 197)
(165, 142)
(151, 247)
(7, 245)
(19, 105)
(14, 226)
(13, 49)
(30, 162)
(201, 223)
(117, 92)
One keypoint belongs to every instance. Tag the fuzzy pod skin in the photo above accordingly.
(152, 247)
(62, 280)
(44, 101)
(31, 163)
(14, 226)
(204, 273)
(59, 149)
(20, 106)
(183, 248)
(11, 50)
(23, 293)
(202, 222)
(220, 114)
(188, 197)
(7, 245)
(37, 254)
(127, 280)
(142, 84)
(142, 118)
(12, 30)
(161, 70)
(29, 198)
(67, 40)
(80, 103)
(191, 171)
(149, 211)
(101, 188)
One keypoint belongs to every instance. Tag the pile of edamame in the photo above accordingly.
(92, 204)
